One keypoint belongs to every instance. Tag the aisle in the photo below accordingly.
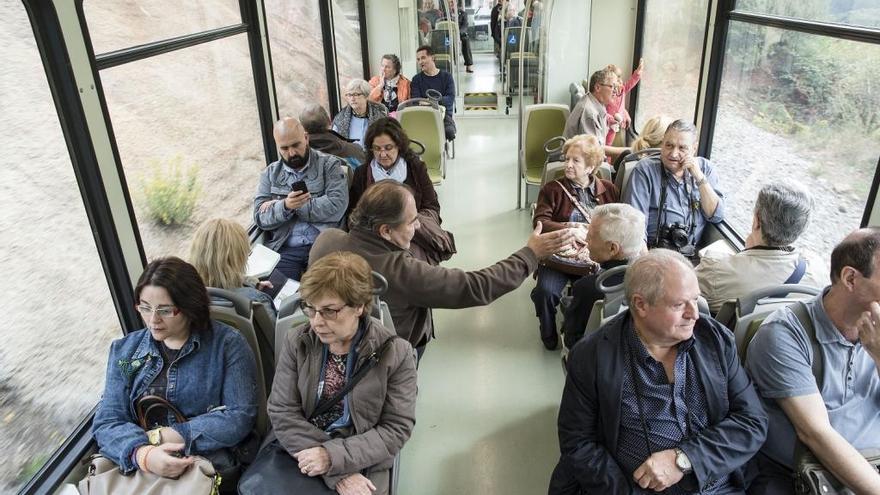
(488, 391)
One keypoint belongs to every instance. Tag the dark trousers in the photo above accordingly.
(294, 261)
(546, 296)
(577, 314)
(466, 50)
(773, 478)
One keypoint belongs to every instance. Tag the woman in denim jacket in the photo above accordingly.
(204, 368)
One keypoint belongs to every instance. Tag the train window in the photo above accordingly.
(297, 55)
(347, 34)
(112, 27)
(188, 134)
(673, 47)
(58, 315)
(857, 12)
(798, 106)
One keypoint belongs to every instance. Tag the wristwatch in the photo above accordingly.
(155, 436)
(701, 181)
(682, 462)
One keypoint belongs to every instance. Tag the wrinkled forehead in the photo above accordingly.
(679, 138)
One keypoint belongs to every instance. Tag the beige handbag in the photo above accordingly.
(104, 478)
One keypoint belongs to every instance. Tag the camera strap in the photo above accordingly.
(690, 219)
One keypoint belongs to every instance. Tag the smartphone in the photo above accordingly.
(300, 186)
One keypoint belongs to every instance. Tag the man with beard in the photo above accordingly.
(294, 216)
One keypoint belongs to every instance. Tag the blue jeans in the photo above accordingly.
(546, 296)
(294, 261)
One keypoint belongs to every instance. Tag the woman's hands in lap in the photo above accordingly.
(160, 460)
(355, 484)
(314, 461)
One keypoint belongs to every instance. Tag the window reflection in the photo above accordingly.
(673, 47)
(187, 114)
(115, 24)
(58, 316)
(347, 32)
(855, 12)
(297, 54)
(797, 106)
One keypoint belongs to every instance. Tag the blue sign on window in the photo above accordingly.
(446, 41)
(512, 39)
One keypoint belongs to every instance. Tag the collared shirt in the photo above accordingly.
(682, 203)
(302, 233)
(780, 361)
(587, 197)
(397, 172)
(671, 412)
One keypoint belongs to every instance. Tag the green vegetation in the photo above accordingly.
(171, 191)
(30, 469)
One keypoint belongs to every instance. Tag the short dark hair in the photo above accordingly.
(382, 204)
(395, 61)
(857, 251)
(315, 119)
(184, 285)
(391, 127)
(425, 48)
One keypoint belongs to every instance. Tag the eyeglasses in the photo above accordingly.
(354, 95)
(388, 148)
(162, 311)
(326, 313)
(612, 86)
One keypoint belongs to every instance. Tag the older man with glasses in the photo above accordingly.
(589, 115)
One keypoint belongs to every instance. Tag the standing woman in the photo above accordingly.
(389, 157)
(329, 441)
(567, 204)
(203, 368)
(391, 87)
(353, 120)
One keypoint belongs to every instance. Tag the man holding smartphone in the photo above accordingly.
(300, 195)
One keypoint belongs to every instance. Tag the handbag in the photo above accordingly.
(105, 478)
(812, 478)
(573, 261)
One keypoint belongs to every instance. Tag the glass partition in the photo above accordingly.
(114, 24)
(347, 33)
(58, 315)
(297, 55)
(188, 135)
(672, 50)
(852, 12)
(799, 107)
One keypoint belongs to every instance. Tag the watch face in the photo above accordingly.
(682, 461)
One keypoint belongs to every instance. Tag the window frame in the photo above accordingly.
(119, 245)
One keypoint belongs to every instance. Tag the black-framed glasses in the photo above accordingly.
(326, 313)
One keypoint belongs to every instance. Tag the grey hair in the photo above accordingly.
(783, 212)
(682, 126)
(314, 119)
(646, 276)
(623, 224)
(359, 86)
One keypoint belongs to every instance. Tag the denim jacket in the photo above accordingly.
(212, 382)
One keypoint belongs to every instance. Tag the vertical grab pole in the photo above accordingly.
(520, 155)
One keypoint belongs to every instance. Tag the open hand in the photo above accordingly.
(544, 245)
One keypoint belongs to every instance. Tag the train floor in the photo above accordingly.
(488, 391)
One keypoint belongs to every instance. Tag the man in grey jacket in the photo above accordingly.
(293, 218)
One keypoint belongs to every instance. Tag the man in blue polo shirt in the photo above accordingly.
(431, 77)
(840, 413)
(678, 192)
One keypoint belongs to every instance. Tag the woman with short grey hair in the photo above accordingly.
(353, 120)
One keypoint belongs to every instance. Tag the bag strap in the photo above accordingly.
(799, 309)
(798, 272)
(371, 363)
(149, 402)
(577, 204)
